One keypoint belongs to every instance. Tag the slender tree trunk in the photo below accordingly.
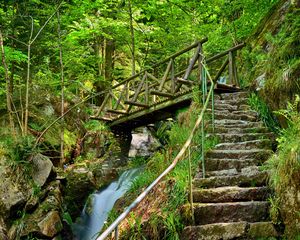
(132, 37)
(109, 62)
(25, 127)
(8, 87)
(62, 155)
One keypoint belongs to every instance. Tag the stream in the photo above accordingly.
(99, 204)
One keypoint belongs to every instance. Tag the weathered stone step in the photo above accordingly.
(230, 194)
(251, 179)
(235, 112)
(233, 122)
(229, 231)
(231, 116)
(222, 164)
(232, 96)
(252, 211)
(238, 125)
(242, 137)
(228, 107)
(233, 102)
(238, 130)
(223, 172)
(263, 143)
(240, 154)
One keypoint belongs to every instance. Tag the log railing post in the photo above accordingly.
(146, 89)
(200, 66)
(173, 83)
(232, 69)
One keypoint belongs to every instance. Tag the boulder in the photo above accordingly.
(45, 220)
(51, 224)
(42, 168)
(3, 235)
(143, 143)
(11, 197)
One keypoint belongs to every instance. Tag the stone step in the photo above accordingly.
(230, 108)
(240, 154)
(235, 112)
(231, 116)
(238, 130)
(251, 179)
(252, 211)
(233, 96)
(238, 125)
(241, 137)
(233, 122)
(230, 194)
(234, 102)
(222, 164)
(264, 143)
(230, 231)
(223, 172)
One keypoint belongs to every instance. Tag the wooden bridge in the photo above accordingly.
(158, 92)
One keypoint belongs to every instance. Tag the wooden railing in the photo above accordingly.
(166, 80)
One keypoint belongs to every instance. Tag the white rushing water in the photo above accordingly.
(99, 204)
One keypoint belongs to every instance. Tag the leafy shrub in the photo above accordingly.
(285, 171)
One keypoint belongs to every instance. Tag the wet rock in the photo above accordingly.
(45, 220)
(42, 168)
(143, 143)
(3, 231)
(51, 224)
(11, 197)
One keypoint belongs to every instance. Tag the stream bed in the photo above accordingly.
(99, 204)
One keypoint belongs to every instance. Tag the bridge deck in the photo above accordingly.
(158, 111)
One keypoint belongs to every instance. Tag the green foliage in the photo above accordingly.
(67, 218)
(265, 114)
(284, 168)
(19, 152)
(95, 126)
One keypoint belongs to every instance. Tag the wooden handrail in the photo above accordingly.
(114, 225)
(163, 61)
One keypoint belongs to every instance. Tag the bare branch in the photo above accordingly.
(45, 24)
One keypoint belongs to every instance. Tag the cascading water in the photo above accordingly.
(99, 204)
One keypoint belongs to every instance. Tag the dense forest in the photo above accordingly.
(60, 58)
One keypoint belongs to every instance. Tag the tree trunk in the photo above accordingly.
(25, 127)
(62, 155)
(132, 38)
(109, 61)
(8, 87)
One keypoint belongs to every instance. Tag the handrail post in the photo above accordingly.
(117, 232)
(232, 69)
(213, 111)
(202, 123)
(191, 186)
(173, 84)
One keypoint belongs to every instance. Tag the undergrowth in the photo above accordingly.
(166, 221)
(17, 154)
(284, 170)
(265, 114)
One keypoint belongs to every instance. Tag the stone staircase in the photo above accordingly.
(231, 202)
